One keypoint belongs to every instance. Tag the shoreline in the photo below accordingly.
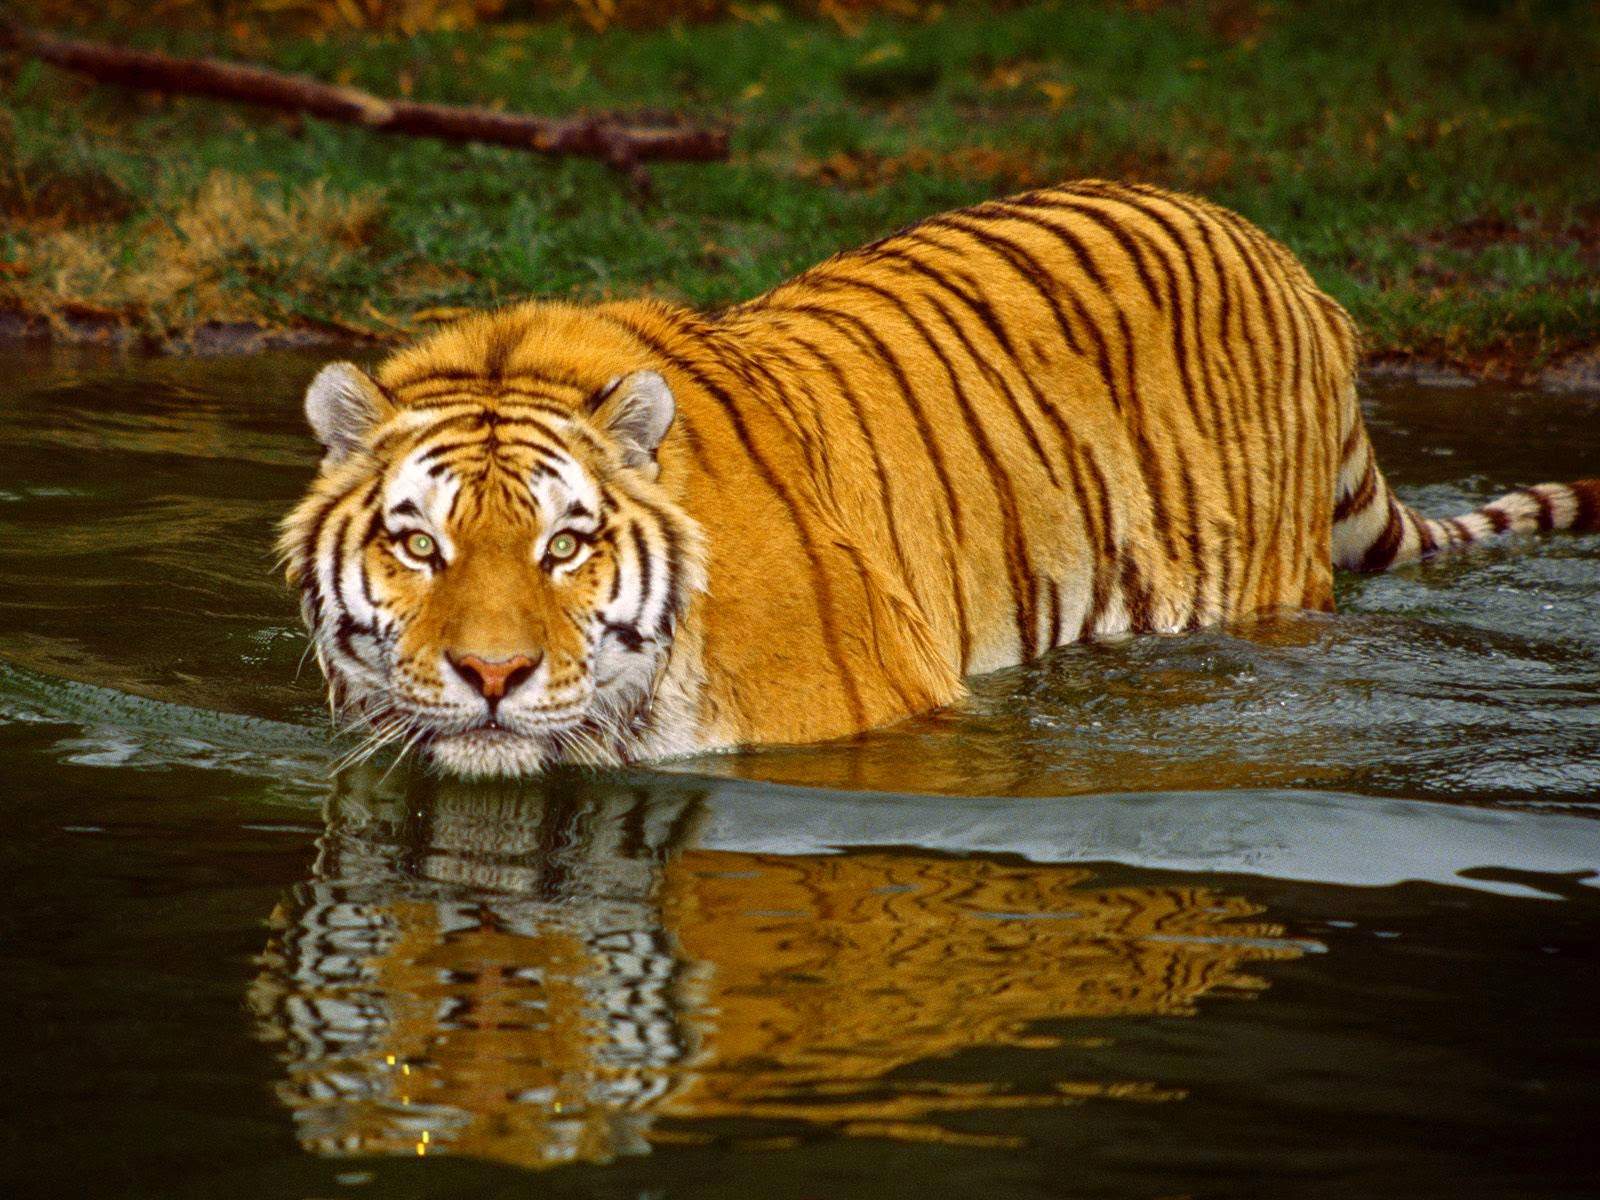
(1576, 372)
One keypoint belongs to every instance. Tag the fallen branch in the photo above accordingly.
(619, 144)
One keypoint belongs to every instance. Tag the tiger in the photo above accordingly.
(630, 530)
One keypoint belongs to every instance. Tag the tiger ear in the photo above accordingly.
(637, 410)
(344, 404)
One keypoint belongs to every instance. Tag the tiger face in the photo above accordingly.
(494, 577)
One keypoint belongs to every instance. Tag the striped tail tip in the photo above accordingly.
(1363, 542)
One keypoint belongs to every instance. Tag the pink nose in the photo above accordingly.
(494, 680)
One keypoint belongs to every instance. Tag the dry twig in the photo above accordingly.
(622, 145)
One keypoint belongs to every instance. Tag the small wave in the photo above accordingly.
(118, 729)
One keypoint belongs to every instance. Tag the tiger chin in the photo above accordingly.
(629, 531)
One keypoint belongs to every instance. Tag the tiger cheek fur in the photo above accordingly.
(1083, 411)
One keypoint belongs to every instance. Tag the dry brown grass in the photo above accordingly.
(229, 252)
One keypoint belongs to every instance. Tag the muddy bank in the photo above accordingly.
(206, 338)
(1575, 372)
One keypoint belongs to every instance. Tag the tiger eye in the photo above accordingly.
(420, 545)
(562, 547)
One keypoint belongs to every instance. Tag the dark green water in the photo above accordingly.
(1310, 910)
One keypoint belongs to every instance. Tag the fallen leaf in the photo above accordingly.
(440, 314)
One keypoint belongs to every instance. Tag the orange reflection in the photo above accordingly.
(547, 978)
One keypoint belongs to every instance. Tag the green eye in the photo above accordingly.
(561, 547)
(421, 546)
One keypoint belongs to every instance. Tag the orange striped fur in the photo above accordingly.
(1087, 410)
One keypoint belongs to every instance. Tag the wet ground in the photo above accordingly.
(1309, 908)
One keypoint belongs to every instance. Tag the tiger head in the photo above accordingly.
(488, 564)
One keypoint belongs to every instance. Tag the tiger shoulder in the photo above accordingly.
(625, 531)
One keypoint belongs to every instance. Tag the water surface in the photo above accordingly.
(1304, 908)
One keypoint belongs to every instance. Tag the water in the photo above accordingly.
(1306, 909)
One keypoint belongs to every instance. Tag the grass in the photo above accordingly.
(1436, 164)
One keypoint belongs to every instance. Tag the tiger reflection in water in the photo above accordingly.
(556, 973)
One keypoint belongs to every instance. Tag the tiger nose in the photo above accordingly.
(494, 680)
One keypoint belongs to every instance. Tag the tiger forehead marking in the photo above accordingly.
(626, 531)
(507, 473)
(491, 507)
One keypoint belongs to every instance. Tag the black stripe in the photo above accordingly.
(1127, 405)
(885, 492)
(1586, 493)
(1352, 443)
(1018, 573)
(502, 342)
(1136, 597)
(776, 394)
(1219, 411)
(1104, 562)
(1246, 405)
(646, 572)
(1252, 343)
(307, 561)
(1181, 343)
(1547, 513)
(822, 591)
(598, 397)
(489, 398)
(1032, 271)
(628, 635)
(1358, 500)
(981, 361)
(343, 622)
(1325, 393)
(673, 602)
(1150, 466)
(1009, 211)
(345, 631)
(429, 374)
(862, 330)
(1426, 544)
(1274, 413)
(859, 333)
(1222, 535)
(1074, 452)
(375, 528)
(1027, 267)
(443, 448)
(979, 307)
(1053, 200)
(1381, 553)
(995, 212)
(1197, 555)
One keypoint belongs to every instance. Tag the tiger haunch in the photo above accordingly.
(628, 531)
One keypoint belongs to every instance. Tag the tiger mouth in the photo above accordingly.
(493, 729)
(489, 729)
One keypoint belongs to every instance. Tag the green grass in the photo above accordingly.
(1437, 165)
